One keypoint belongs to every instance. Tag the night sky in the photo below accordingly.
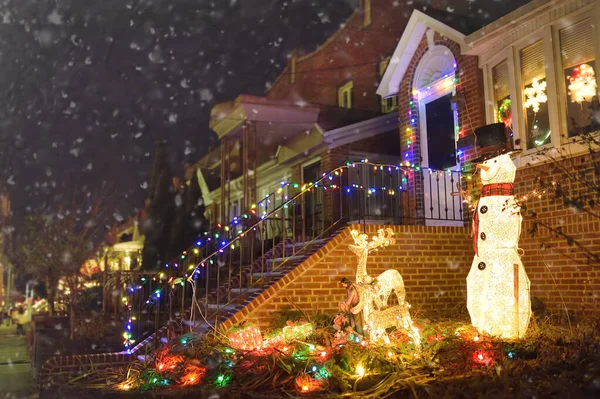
(89, 86)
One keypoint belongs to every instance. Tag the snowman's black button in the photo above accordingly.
(481, 265)
(483, 209)
(482, 235)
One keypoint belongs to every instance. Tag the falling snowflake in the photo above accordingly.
(55, 18)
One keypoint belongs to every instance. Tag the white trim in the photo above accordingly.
(553, 110)
(521, 23)
(358, 131)
(427, 65)
(407, 46)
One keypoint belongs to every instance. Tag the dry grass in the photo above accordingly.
(554, 360)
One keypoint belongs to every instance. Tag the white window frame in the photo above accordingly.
(549, 35)
(543, 36)
(562, 94)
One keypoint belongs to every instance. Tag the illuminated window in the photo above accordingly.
(345, 95)
(579, 77)
(502, 99)
(388, 104)
(535, 100)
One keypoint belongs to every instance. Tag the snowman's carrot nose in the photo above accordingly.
(482, 166)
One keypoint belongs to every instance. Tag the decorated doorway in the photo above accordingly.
(438, 121)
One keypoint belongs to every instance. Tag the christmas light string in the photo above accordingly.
(325, 183)
(406, 168)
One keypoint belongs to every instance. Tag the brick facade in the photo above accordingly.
(434, 262)
(561, 274)
(351, 54)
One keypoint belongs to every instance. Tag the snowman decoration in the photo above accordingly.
(497, 285)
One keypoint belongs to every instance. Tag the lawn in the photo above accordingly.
(558, 358)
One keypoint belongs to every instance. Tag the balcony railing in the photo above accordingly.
(226, 271)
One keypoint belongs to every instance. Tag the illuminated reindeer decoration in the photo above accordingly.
(376, 314)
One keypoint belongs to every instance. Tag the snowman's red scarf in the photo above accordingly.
(489, 190)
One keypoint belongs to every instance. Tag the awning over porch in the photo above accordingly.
(274, 120)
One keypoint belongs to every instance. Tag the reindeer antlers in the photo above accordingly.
(382, 239)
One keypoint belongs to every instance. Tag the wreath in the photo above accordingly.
(505, 112)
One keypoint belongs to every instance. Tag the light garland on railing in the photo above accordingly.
(194, 270)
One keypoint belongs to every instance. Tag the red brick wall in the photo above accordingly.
(352, 54)
(434, 262)
(559, 271)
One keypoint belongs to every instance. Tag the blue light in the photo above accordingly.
(511, 355)
(406, 155)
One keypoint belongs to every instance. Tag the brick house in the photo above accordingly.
(411, 96)
(448, 84)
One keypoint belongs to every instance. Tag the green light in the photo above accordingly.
(311, 347)
(228, 350)
(220, 378)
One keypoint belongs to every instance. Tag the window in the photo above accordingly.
(579, 78)
(345, 95)
(535, 100)
(502, 101)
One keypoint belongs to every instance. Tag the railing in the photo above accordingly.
(272, 243)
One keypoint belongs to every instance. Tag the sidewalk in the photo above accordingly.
(15, 367)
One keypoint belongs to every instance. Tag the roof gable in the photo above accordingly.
(408, 44)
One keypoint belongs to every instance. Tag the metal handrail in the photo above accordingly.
(280, 217)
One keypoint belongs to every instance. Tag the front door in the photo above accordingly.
(438, 123)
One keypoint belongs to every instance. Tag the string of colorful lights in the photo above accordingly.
(325, 182)
(222, 243)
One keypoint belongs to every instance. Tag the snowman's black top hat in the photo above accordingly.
(493, 140)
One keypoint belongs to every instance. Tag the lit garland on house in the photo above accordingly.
(260, 210)
(326, 182)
